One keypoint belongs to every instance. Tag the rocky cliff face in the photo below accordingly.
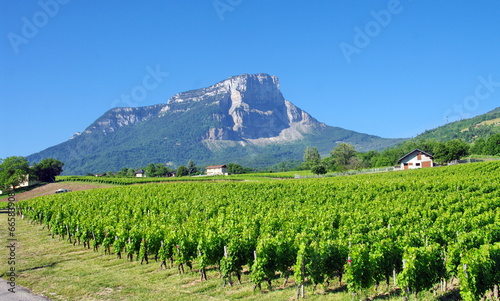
(121, 117)
(250, 107)
(244, 119)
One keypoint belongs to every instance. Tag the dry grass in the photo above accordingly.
(495, 121)
(50, 188)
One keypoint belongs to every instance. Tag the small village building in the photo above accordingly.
(416, 159)
(28, 181)
(140, 174)
(216, 170)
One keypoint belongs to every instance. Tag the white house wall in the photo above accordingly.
(216, 171)
(413, 160)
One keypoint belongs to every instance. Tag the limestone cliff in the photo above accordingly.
(244, 119)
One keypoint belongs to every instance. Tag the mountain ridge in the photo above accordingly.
(470, 129)
(243, 119)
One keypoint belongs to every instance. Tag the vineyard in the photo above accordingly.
(422, 230)
(130, 181)
(260, 176)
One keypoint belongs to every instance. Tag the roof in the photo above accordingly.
(216, 166)
(415, 151)
(139, 171)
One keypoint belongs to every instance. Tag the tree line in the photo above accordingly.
(163, 170)
(345, 157)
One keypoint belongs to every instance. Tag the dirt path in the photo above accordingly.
(48, 189)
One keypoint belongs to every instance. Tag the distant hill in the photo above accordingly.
(244, 119)
(481, 126)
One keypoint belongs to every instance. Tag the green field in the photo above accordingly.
(261, 176)
(433, 220)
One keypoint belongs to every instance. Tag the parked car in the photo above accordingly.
(62, 190)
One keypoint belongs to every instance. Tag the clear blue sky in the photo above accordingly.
(389, 68)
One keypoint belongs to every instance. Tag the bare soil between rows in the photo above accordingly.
(50, 188)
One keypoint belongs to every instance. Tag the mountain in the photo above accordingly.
(244, 119)
(481, 126)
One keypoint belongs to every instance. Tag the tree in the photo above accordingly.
(122, 172)
(318, 169)
(441, 153)
(13, 171)
(344, 156)
(382, 161)
(48, 169)
(191, 168)
(311, 157)
(457, 149)
(282, 166)
(233, 168)
(150, 170)
(162, 170)
(478, 147)
(181, 171)
(369, 158)
(492, 146)
(390, 156)
(451, 150)
(288, 165)
(130, 172)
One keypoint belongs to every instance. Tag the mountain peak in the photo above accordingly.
(243, 117)
(267, 84)
(263, 79)
(251, 107)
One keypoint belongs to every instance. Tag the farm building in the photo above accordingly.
(216, 170)
(28, 181)
(140, 174)
(416, 159)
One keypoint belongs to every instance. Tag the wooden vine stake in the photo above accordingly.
(407, 289)
(300, 289)
(229, 274)
(69, 235)
(257, 285)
